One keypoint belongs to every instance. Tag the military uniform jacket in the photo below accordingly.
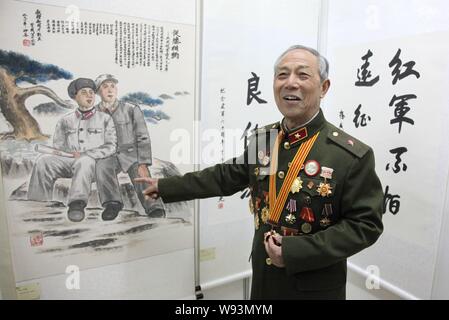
(345, 221)
(132, 135)
(91, 133)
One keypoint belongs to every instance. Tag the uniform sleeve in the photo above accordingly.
(59, 136)
(109, 147)
(220, 180)
(142, 137)
(359, 227)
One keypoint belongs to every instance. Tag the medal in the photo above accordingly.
(310, 185)
(278, 200)
(290, 218)
(289, 231)
(311, 168)
(307, 214)
(265, 214)
(296, 185)
(291, 206)
(266, 160)
(306, 227)
(261, 154)
(326, 173)
(324, 189)
(327, 212)
(325, 222)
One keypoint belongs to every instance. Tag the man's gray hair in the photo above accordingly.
(323, 64)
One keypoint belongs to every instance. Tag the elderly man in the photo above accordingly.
(315, 194)
(87, 135)
(133, 155)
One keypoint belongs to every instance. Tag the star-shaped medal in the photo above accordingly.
(324, 189)
(296, 185)
(290, 218)
(265, 214)
(325, 222)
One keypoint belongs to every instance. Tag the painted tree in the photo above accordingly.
(142, 98)
(16, 68)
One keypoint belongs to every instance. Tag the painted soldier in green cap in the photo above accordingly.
(315, 195)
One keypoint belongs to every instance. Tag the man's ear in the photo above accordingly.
(324, 87)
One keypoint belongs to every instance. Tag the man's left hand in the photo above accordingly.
(273, 246)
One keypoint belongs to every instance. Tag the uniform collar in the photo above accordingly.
(293, 136)
(84, 115)
(103, 107)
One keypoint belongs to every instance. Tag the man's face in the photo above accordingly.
(108, 91)
(85, 98)
(297, 86)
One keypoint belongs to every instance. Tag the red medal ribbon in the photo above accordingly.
(307, 214)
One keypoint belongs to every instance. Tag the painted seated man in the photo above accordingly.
(88, 135)
(133, 152)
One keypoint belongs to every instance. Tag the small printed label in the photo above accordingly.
(207, 254)
(30, 291)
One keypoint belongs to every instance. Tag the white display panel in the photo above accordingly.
(412, 128)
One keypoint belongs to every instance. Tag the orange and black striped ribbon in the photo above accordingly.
(277, 202)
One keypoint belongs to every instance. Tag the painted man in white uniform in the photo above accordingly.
(86, 134)
(133, 152)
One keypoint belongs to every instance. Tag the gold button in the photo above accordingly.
(256, 171)
(289, 164)
(286, 145)
(268, 261)
(335, 134)
(281, 174)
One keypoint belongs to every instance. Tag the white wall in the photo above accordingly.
(231, 291)
(356, 290)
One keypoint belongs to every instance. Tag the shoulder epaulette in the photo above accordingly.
(274, 125)
(347, 142)
(264, 129)
(268, 127)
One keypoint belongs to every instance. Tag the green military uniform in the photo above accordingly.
(336, 212)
